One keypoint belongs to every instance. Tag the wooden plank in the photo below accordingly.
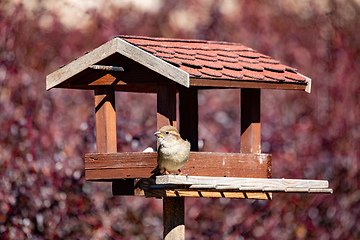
(105, 117)
(257, 183)
(166, 105)
(126, 49)
(174, 218)
(105, 167)
(220, 83)
(319, 190)
(189, 120)
(250, 121)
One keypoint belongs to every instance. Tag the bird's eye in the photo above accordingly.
(167, 133)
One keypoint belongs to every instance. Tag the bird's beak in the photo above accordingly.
(159, 134)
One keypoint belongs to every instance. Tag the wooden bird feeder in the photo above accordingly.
(166, 67)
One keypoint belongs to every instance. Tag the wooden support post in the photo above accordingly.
(250, 121)
(166, 105)
(173, 208)
(105, 117)
(188, 111)
(174, 220)
(106, 142)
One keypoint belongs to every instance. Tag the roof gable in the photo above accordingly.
(123, 48)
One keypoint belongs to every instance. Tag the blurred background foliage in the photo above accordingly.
(44, 135)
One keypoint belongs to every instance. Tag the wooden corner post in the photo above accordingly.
(250, 121)
(173, 207)
(106, 141)
(105, 117)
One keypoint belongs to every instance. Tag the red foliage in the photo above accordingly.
(44, 135)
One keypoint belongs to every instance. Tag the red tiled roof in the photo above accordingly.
(217, 60)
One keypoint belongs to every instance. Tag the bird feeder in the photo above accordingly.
(166, 67)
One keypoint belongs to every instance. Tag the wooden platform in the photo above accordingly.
(227, 187)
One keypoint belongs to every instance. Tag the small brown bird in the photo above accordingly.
(173, 151)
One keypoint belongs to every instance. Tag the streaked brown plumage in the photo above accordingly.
(173, 151)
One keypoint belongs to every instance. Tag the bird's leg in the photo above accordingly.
(166, 172)
(180, 173)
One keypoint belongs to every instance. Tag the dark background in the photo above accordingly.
(44, 135)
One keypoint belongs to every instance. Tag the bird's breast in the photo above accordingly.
(175, 153)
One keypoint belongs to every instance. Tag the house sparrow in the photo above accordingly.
(173, 151)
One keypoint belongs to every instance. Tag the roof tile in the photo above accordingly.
(216, 46)
(294, 76)
(252, 66)
(148, 49)
(227, 54)
(206, 53)
(184, 56)
(228, 59)
(232, 73)
(267, 79)
(248, 60)
(268, 60)
(206, 58)
(186, 51)
(162, 49)
(235, 66)
(164, 55)
(191, 63)
(252, 74)
(248, 54)
(273, 67)
(210, 72)
(274, 75)
(210, 64)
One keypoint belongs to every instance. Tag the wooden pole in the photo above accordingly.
(105, 117)
(174, 218)
(250, 121)
(173, 207)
